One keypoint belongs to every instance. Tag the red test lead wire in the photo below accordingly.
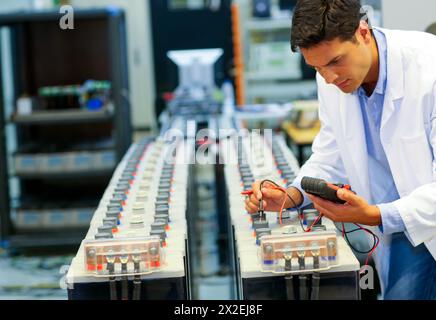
(247, 192)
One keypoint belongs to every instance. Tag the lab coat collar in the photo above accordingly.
(395, 79)
(395, 72)
(382, 50)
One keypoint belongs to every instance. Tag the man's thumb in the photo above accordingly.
(345, 195)
(259, 195)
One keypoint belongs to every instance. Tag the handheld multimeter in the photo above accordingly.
(321, 188)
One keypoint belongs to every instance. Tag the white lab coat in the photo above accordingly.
(408, 134)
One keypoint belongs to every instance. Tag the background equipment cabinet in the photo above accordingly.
(64, 122)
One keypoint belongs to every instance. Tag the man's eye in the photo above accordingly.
(335, 62)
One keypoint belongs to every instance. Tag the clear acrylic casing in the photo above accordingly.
(123, 257)
(298, 253)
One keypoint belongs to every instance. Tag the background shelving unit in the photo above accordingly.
(62, 116)
(55, 164)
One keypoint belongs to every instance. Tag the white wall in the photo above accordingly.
(408, 15)
(12, 5)
(140, 58)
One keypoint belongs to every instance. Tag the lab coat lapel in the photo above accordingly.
(393, 100)
(395, 80)
(354, 134)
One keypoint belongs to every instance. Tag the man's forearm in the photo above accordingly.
(296, 196)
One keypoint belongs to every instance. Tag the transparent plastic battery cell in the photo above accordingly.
(113, 213)
(144, 187)
(149, 172)
(136, 222)
(141, 196)
(138, 208)
(105, 257)
(298, 253)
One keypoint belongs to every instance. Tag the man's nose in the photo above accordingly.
(329, 76)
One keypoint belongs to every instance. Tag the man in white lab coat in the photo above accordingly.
(377, 95)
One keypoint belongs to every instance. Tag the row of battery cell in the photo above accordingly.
(150, 204)
(115, 208)
(287, 239)
(256, 162)
(140, 202)
(259, 159)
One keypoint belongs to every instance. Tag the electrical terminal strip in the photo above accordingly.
(298, 253)
(123, 257)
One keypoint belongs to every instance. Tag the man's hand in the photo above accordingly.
(272, 198)
(355, 210)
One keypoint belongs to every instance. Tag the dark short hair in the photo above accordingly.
(315, 21)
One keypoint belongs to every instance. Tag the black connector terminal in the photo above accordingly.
(261, 211)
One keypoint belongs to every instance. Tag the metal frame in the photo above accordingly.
(4, 185)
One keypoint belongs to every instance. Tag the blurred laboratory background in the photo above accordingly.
(79, 87)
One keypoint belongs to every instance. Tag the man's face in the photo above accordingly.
(342, 63)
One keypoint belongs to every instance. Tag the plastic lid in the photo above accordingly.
(261, 232)
(161, 233)
(105, 235)
(158, 225)
(110, 221)
(105, 229)
(260, 224)
(114, 213)
(161, 217)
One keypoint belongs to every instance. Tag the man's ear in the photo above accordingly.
(364, 32)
